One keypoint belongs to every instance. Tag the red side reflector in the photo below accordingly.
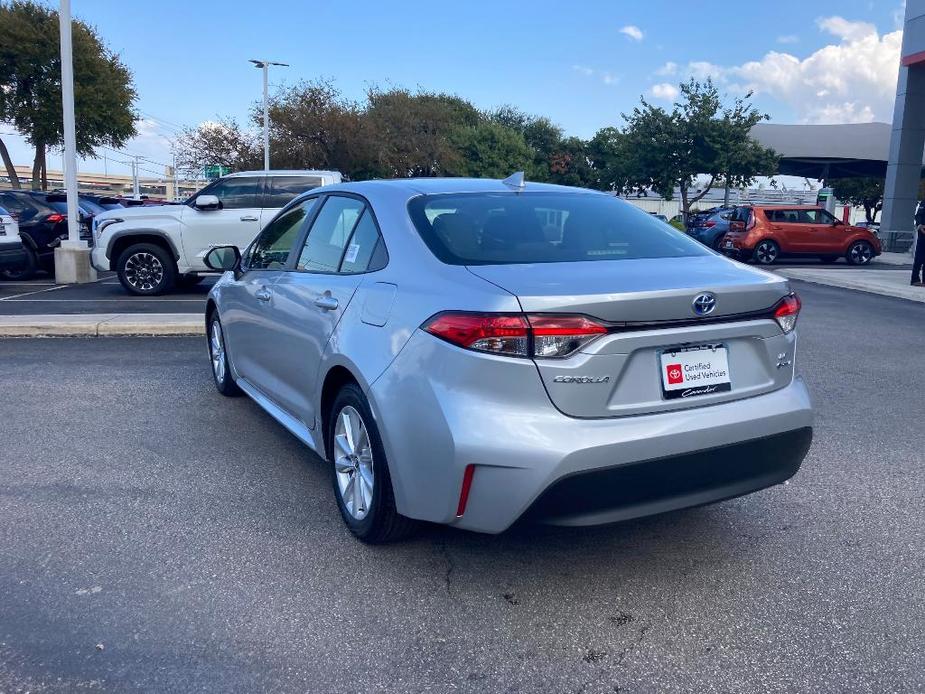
(54, 218)
(464, 490)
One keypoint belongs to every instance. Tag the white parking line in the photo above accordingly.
(39, 291)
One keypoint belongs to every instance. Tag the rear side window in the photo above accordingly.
(365, 250)
(282, 189)
(512, 228)
(20, 206)
(327, 239)
(236, 193)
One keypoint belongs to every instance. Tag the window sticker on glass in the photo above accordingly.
(352, 251)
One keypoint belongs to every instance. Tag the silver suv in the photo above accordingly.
(154, 248)
(473, 352)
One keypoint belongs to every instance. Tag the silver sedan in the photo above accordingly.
(475, 352)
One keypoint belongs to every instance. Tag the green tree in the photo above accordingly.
(489, 150)
(30, 84)
(223, 143)
(700, 136)
(608, 165)
(860, 192)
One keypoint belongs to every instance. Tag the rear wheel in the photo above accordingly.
(27, 271)
(147, 269)
(766, 252)
(362, 484)
(860, 253)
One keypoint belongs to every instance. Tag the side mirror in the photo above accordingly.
(208, 202)
(223, 258)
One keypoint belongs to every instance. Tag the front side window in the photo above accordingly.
(327, 239)
(282, 189)
(271, 249)
(235, 193)
(511, 228)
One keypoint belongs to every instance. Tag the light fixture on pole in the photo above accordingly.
(265, 66)
(72, 257)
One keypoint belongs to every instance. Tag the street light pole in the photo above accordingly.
(265, 66)
(72, 257)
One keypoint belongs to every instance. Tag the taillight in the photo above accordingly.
(736, 226)
(709, 223)
(516, 335)
(54, 218)
(787, 311)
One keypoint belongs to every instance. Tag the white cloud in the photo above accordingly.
(851, 81)
(634, 32)
(667, 69)
(665, 91)
(603, 75)
(788, 38)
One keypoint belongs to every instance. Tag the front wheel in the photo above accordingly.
(766, 252)
(147, 269)
(362, 484)
(860, 253)
(28, 269)
(218, 356)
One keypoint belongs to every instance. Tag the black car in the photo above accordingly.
(42, 219)
(107, 202)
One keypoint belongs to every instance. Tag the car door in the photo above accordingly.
(341, 245)
(828, 233)
(235, 223)
(788, 231)
(247, 303)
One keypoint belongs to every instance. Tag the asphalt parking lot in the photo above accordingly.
(155, 536)
(106, 295)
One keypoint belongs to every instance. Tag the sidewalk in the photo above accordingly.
(870, 279)
(102, 324)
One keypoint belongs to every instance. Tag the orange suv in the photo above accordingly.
(764, 233)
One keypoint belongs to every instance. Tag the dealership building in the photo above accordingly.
(907, 139)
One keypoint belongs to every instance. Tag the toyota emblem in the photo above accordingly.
(704, 304)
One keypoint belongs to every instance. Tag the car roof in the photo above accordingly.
(435, 186)
(785, 207)
(284, 172)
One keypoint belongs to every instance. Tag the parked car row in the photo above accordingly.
(766, 233)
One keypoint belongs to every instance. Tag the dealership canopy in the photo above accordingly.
(828, 151)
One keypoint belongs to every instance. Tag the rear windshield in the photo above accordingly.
(741, 214)
(511, 228)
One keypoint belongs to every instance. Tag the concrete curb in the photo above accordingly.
(103, 325)
(894, 283)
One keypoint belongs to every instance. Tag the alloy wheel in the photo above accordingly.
(860, 254)
(353, 462)
(217, 351)
(766, 253)
(144, 271)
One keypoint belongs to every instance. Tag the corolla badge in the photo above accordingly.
(581, 379)
(703, 304)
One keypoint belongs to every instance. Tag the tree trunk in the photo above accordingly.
(10, 169)
(44, 172)
(685, 205)
(37, 164)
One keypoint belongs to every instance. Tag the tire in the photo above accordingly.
(828, 259)
(218, 358)
(370, 514)
(189, 280)
(147, 269)
(28, 270)
(766, 252)
(859, 253)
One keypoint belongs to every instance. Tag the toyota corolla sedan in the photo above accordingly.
(475, 352)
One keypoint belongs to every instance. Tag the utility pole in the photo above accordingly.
(176, 180)
(72, 257)
(136, 189)
(265, 66)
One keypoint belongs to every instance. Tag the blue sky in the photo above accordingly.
(580, 63)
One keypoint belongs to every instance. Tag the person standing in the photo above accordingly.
(918, 263)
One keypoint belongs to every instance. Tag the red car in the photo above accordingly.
(764, 233)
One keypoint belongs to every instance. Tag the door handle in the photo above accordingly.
(262, 294)
(248, 218)
(326, 302)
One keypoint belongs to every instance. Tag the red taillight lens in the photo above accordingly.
(559, 336)
(736, 226)
(54, 218)
(516, 335)
(709, 223)
(787, 311)
(484, 332)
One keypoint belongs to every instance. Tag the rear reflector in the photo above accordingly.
(516, 335)
(464, 490)
(787, 311)
(54, 218)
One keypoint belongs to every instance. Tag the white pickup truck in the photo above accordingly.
(153, 249)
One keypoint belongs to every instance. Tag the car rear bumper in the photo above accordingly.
(13, 257)
(530, 460)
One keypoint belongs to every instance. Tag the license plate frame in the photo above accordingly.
(700, 378)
